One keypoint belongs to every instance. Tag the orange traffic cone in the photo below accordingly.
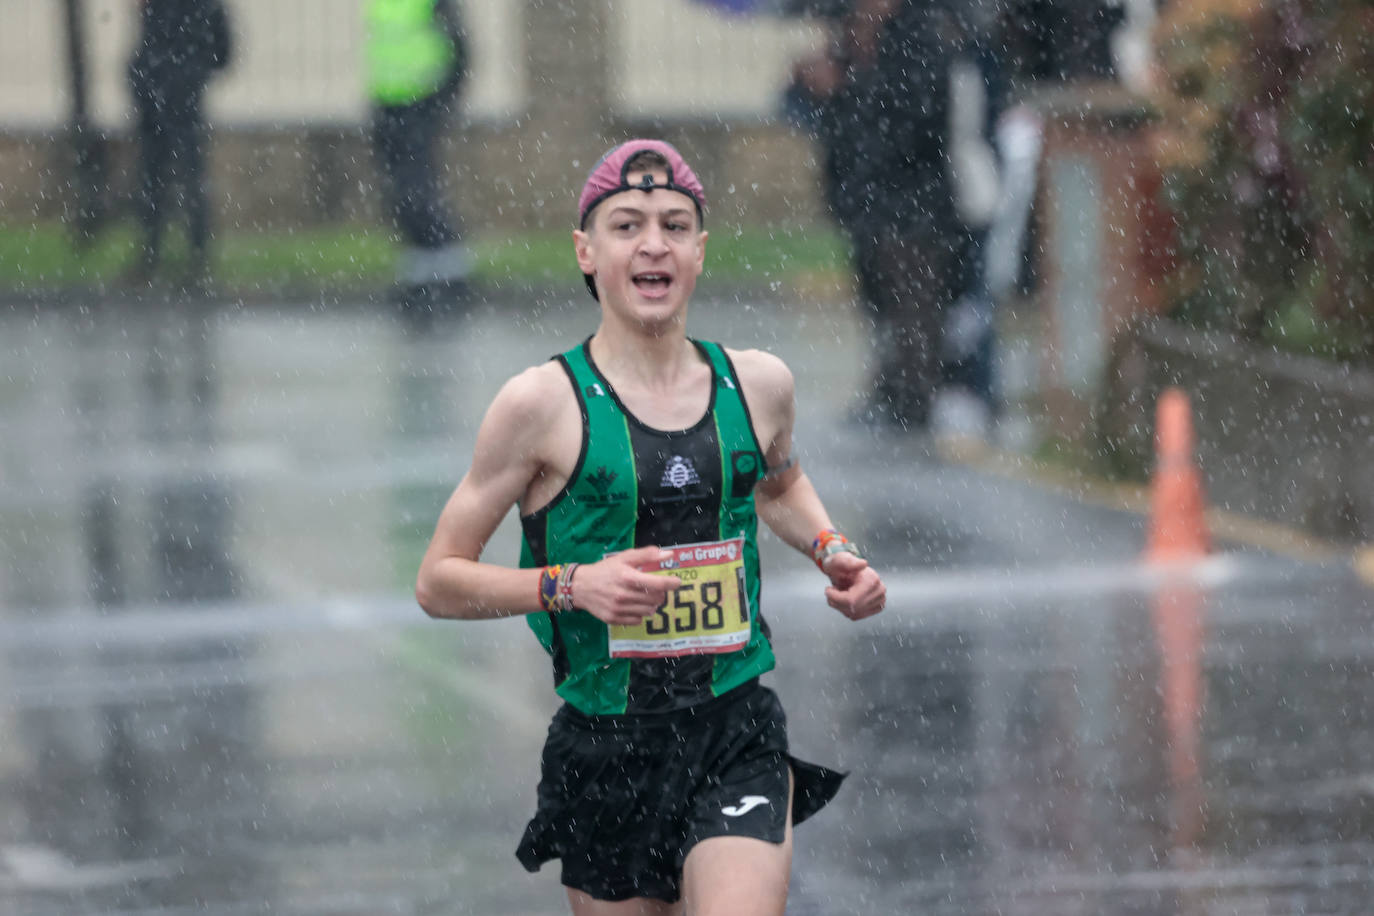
(1178, 530)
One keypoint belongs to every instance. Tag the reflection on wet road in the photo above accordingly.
(217, 696)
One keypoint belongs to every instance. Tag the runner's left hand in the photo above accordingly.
(856, 590)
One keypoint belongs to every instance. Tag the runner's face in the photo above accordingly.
(645, 249)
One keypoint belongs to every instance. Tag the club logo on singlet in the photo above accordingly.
(601, 481)
(746, 468)
(679, 473)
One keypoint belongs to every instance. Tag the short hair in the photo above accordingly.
(646, 160)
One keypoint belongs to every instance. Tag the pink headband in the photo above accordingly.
(609, 177)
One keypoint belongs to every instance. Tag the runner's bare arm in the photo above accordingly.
(452, 582)
(511, 452)
(787, 501)
(785, 498)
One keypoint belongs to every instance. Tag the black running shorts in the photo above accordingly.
(623, 799)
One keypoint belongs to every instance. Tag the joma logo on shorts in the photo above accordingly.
(746, 804)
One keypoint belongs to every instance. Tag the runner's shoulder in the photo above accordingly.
(534, 395)
(762, 373)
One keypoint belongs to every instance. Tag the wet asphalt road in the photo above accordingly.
(217, 695)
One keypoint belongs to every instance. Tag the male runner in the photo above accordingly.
(641, 460)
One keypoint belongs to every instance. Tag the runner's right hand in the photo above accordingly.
(615, 590)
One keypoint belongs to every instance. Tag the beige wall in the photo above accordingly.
(295, 61)
(299, 60)
(675, 58)
(30, 63)
(555, 83)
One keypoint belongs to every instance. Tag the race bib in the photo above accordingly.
(707, 614)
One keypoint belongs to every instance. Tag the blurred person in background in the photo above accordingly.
(181, 44)
(1006, 49)
(978, 90)
(879, 103)
(915, 105)
(417, 63)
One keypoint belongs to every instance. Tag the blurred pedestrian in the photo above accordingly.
(417, 64)
(878, 101)
(978, 90)
(843, 81)
(641, 461)
(910, 239)
(181, 44)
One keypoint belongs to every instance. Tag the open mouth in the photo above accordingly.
(652, 282)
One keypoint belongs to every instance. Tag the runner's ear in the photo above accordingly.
(582, 248)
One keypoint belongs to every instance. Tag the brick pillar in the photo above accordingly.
(1100, 236)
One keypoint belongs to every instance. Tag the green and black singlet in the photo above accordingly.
(634, 486)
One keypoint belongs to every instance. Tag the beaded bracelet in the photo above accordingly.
(828, 543)
(565, 598)
(555, 587)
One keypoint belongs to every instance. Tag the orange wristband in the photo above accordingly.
(828, 543)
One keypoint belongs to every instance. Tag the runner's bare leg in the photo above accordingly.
(739, 876)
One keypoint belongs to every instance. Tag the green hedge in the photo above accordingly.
(1269, 168)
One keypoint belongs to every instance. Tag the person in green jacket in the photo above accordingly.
(641, 461)
(417, 63)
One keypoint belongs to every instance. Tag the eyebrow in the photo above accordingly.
(637, 211)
